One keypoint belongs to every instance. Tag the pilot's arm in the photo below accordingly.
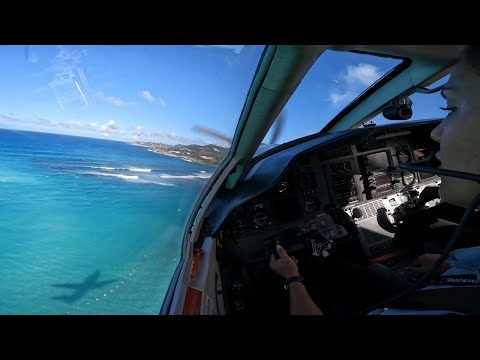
(300, 301)
(466, 258)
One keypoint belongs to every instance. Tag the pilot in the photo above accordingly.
(457, 135)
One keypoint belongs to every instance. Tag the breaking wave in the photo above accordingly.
(139, 170)
(120, 176)
(201, 175)
(114, 168)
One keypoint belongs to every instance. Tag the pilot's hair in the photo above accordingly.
(471, 55)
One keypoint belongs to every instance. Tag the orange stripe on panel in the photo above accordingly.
(193, 302)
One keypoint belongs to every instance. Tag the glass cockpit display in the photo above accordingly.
(376, 161)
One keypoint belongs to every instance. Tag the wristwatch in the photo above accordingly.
(292, 280)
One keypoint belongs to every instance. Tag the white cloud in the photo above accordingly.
(162, 102)
(72, 124)
(12, 118)
(352, 82)
(165, 135)
(337, 97)
(161, 135)
(112, 100)
(96, 128)
(110, 125)
(237, 49)
(147, 96)
(364, 74)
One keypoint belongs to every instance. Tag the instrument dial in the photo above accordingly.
(260, 219)
(408, 178)
(239, 228)
(347, 165)
(403, 157)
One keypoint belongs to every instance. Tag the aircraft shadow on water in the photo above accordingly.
(81, 289)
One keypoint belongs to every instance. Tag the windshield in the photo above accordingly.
(333, 82)
(330, 85)
(89, 222)
(424, 106)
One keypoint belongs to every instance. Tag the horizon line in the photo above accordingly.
(99, 138)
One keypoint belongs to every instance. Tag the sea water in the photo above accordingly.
(90, 226)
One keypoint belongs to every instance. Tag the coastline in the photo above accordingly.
(172, 151)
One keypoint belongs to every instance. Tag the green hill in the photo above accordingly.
(202, 154)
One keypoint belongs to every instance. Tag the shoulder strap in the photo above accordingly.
(465, 300)
(457, 280)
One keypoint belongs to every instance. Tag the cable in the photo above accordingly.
(453, 239)
(438, 171)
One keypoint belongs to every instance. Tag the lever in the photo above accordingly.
(271, 247)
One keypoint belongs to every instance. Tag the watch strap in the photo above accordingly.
(292, 280)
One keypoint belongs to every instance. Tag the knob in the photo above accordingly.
(356, 213)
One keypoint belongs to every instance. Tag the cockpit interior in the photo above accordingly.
(339, 193)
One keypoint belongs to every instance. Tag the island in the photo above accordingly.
(203, 154)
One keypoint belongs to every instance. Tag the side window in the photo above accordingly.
(101, 163)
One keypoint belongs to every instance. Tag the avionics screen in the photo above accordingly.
(286, 209)
(382, 180)
(377, 161)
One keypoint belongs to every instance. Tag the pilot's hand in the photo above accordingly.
(425, 262)
(285, 266)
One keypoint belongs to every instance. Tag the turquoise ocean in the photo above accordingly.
(90, 226)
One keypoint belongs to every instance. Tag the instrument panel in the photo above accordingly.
(360, 178)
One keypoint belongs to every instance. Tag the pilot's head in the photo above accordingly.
(459, 133)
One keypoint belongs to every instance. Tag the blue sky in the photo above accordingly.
(333, 82)
(160, 93)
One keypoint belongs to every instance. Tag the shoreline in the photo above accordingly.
(165, 152)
